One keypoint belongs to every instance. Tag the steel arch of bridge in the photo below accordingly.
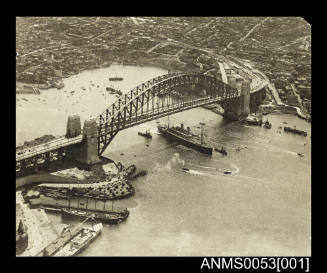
(139, 105)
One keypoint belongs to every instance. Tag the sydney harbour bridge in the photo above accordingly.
(158, 97)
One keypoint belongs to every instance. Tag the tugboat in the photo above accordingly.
(146, 134)
(185, 137)
(141, 173)
(222, 150)
(267, 124)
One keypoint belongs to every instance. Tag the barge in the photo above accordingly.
(295, 131)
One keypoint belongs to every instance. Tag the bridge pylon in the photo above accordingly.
(238, 108)
(87, 150)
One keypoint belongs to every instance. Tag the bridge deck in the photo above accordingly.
(47, 147)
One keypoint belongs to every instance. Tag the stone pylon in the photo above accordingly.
(245, 98)
(240, 107)
(87, 150)
(73, 126)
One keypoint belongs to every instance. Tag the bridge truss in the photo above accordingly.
(159, 97)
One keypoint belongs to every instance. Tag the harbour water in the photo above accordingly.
(262, 208)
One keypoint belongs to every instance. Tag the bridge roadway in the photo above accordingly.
(47, 147)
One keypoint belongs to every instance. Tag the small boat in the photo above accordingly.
(122, 154)
(147, 145)
(185, 169)
(285, 122)
(300, 155)
(146, 134)
(227, 172)
(265, 113)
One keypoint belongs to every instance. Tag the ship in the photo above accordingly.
(295, 131)
(146, 134)
(80, 241)
(222, 150)
(185, 137)
(109, 217)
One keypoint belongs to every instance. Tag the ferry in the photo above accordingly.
(185, 137)
(252, 120)
(81, 241)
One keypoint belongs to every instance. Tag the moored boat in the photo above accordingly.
(80, 241)
(110, 217)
